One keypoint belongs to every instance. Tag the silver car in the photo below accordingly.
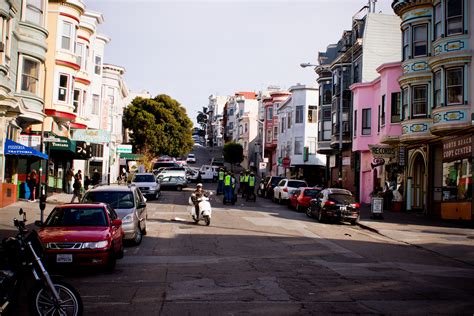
(129, 204)
(148, 184)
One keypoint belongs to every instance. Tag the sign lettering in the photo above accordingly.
(457, 148)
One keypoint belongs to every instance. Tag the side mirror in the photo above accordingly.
(117, 222)
(141, 205)
(38, 223)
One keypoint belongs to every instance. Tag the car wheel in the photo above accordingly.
(138, 236)
(157, 195)
(112, 260)
(308, 212)
(120, 253)
(179, 188)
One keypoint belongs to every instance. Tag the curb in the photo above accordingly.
(366, 227)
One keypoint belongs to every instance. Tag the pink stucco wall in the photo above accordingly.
(369, 95)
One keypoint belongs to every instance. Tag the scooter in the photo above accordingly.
(20, 260)
(204, 206)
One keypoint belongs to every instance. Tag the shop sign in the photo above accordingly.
(346, 161)
(97, 136)
(382, 151)
(377, 162)
(402, 156)
(64, 144)
(126, 149)
(457, 148)
(332, 161)
(33, 141)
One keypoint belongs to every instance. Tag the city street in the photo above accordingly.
(262, 258)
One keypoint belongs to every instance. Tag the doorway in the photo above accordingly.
(419, 183)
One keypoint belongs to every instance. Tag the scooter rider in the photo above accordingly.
(196, 195)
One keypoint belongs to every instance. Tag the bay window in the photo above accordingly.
(437, 21)
(67, 35)
(34, 11)
(80, 58)
(454, 86)
(63, 88)
(76, 100)
(406, 43)
(419, 100)
(30, 76)
(420, 40)
(395, 107)
(454, 17)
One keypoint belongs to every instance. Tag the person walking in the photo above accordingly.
(251, 187)
(95, 177)
(77, 186)
(220, 182)
(32, 179)
(70, 180)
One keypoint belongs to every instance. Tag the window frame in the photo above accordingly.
(299, 114)
(312, 116)
(95, 106)
(437, 89)
(413, 101)
(22, 72)
(395, 107)
(405, 103)
(29, 7)
(437, 22)
(461, 102)
(98, 66)
(425, 40)
(406, 43)
(70, 37)
(383, 112)
(270, 113)
(66, 92)
(355, 123)
(366, 121)
(447, 33)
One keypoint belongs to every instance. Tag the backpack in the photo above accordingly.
(76, 185)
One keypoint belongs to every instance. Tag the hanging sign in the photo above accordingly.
(97, 136)
(382, 151)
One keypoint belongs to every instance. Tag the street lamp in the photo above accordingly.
(304, 65)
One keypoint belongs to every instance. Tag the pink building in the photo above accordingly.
(376, 125)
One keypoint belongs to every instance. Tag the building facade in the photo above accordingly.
(436, 105)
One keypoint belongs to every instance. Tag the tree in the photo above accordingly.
(159, 126)
(233, 153)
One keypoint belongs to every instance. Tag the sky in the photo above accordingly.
(190, 49)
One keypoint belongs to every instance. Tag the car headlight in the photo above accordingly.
(127, 219)
(95, 245)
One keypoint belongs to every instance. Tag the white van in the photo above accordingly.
(172, 171)
(207, 173)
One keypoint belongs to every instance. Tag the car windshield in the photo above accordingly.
(311, 192)
(275, 180)
(144, 178)
(296, 184)
(116, 199)
(76, 217)
(341, 198)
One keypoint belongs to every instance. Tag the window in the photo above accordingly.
(334, 123)
(34, 11)
(66, 38)
(231, 125)
(312, 114)
(395, 107)
(8, 42)
(80, 48)
(366, 121)
(270, 113)
(420, 101)
(240, 129)
(327, 93)
(454, 86)
(246, 127)
(269, 136)
(437, 89)
(420, 40)
(298, 146)
(356, 72)
(405, 108)
(406, 43)
(325, 126)
(84, 101)
(299, 114)
(382, 114)
(30, 76)
(98, 65)
(275, 131)
(355, 123)
(95, 104)
(282, 124)
(454, 17)
(76, 100)
(231, 112)
(437, 21)
(63, 87)
(110, 95)
(289, 120)
(312, 145)
(378, 120)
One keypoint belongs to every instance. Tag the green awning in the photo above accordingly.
(64, 144)
(131, 156)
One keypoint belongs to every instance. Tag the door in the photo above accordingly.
(419, 182)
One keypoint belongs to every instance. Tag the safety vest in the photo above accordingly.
(227, 180)
(246, 178)
(251, 181)
(241, 178)
(221, 175)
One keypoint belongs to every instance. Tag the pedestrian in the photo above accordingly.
(245, 183)
(228, 188)
(95, 177)
(220, 182)
(70, 180)
(241, 182)
(77, 186)
(251, 187)
(87, 183)
(32, 179)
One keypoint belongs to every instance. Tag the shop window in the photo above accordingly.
(454, 86)
(457, 177)
(420, 100)
(395, 107)
(454, 17)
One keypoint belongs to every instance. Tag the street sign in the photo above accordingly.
(126, 149)
(286, 161)
(51, 139)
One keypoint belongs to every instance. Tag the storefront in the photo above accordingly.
(62, 152)
(457, 178)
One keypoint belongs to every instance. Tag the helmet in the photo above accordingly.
(199, 185)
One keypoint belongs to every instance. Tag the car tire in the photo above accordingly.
(157, 195)
(309, 212)
(179, 188)
(112, 260)
(138, 236)
(121, 252)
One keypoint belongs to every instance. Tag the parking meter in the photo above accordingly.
(42, 202)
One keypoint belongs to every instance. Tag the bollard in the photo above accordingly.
(42, 201)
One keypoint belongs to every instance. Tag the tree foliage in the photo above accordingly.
(233, 153)
(159, 126)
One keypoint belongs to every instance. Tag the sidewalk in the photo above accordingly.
(447, 238)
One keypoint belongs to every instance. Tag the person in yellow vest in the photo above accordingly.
(251, 187)
(220, 182)
(245, 183)
(241, 182)
(227, 188)
(234, 185)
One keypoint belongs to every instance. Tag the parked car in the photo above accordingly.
(207, 173)
(285, 188)
(160, 164)
(191, 158)
(172, 171)
(82, 234)
(129, 204)
(300, 200)
(265, 188)
(173, 183)
(334, 203)
(148, 184)
(192, 174)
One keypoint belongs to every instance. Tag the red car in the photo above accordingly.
(82, 234)
(301, 198)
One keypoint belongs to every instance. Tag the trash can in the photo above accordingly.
(376, 207)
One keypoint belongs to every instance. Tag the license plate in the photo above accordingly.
(343, 208)
(64, 258)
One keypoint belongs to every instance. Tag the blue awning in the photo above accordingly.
(12, 148)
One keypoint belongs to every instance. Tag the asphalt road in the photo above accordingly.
(262, 258)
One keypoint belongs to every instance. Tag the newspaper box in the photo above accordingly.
(376, 207)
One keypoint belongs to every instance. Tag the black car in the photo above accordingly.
(334, 203)
(265, 188)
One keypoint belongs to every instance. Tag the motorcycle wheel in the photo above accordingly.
(196, 220)
(207, 219)
(41, 302)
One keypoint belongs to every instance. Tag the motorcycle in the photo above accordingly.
(204, 206)
(20, 259)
